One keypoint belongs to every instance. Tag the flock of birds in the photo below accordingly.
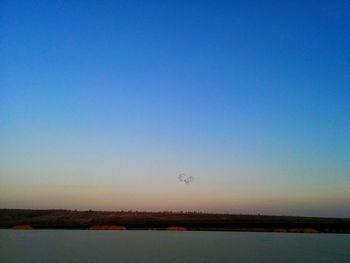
(185, 179)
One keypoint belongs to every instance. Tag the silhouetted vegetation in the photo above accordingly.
(191, 220)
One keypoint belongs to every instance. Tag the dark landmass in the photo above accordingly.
(172, 221)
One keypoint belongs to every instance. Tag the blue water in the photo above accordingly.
(161, 246)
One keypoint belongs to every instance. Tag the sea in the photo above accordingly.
(165, 246)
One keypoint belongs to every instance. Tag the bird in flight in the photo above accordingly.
(184, 178)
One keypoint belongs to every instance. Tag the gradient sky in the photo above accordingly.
(104, 103)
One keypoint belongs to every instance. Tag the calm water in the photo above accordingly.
(161, 246)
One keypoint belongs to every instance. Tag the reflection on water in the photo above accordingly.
(162, 246)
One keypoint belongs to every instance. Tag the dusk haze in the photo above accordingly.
(235, 107)
(148, 131)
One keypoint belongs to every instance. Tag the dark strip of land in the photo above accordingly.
(121, 220)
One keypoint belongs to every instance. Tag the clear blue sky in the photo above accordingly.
(104, 103)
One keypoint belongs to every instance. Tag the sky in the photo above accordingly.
(104, 103)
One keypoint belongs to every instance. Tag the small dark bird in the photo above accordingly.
(186, 179)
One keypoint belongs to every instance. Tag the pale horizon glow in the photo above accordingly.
(104, 104)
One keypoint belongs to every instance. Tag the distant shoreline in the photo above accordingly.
(27, 219)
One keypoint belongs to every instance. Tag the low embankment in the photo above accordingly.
(172, 221)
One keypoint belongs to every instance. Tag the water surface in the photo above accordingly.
(164, 246)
